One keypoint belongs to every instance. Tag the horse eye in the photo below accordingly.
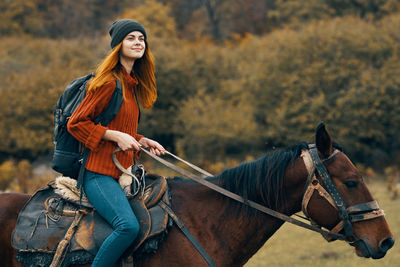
(350, 184)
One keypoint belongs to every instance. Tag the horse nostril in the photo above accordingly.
(386, 244)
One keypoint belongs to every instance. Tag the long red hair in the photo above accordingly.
(144, 69)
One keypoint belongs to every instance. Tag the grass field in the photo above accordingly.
(295, 246)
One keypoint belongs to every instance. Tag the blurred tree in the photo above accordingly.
(7, 174)
(374, 9)
(35, 73)
(214, 16)
(57, 18)
(250, 16)
(292, 80)
(217, 126)
(374, 105)
(182, 11)
(23, 175)
(225, 18)
(160, 26)
(297, 12)
(19, 16)
(218, 99)
(310, 73)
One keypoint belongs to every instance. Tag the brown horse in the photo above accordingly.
(230, 232)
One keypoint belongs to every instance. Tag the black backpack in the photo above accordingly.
(68, 157)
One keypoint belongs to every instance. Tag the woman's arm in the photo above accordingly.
(81, 125)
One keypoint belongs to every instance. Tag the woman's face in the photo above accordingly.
(133, 45)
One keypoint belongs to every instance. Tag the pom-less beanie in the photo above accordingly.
(120, 28)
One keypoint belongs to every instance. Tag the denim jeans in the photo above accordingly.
(107, 197)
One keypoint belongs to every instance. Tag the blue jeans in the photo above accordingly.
(107, 197)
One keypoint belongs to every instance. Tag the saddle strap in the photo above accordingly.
(186, 232)
(63, 245)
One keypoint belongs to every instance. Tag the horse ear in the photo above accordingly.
(323, 140)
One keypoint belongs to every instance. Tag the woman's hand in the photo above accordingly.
(123, 140)
(155, 147)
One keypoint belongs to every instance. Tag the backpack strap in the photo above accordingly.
(104, 119)
(113, 107)
(138, 104)
(79, 183)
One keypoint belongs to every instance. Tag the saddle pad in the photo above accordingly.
(40, 227)
(155, 188)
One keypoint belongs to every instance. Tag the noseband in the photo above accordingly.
(347, 215)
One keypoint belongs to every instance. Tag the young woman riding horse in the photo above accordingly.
(231, 233)
(130, 61)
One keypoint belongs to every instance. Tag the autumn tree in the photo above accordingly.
(35, 74)
(293, 79)
(267, 85)
(57, 18)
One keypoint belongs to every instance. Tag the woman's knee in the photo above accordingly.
(128, 226)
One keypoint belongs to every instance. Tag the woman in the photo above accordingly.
(131, 62)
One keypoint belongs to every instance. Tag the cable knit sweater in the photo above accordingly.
(82, 127)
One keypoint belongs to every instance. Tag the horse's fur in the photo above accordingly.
(261, 180)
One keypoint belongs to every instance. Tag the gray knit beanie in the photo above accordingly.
(120, 28)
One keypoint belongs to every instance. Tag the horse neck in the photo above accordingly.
(294, 186)
(225, 225)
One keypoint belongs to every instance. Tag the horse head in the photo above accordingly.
(344, 204)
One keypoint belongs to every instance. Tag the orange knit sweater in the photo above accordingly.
(82, 127)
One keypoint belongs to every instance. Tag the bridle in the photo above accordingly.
(347, 215)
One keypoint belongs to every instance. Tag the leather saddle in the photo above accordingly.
(45, 219)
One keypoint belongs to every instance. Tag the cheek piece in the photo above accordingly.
(347, 215)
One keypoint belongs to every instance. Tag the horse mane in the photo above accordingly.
(261, 180)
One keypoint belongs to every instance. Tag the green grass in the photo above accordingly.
(295, 246)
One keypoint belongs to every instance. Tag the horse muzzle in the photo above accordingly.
(364, 249)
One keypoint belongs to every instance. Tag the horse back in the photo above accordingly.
(10, 205)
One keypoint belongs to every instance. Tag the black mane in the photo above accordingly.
(261, 180)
